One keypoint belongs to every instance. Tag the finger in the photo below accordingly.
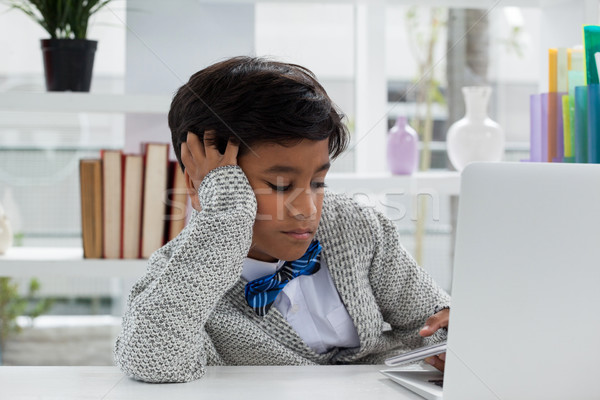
(210, 147)
(435, 322)
(436, 363)
(429, 328)
(196, 147)
(442, 357)
(231, 152)
(187, 159)
(191, 184)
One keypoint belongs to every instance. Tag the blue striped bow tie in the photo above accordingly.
(261, 292)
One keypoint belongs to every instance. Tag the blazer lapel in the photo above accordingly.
(348, 256)
(275, 325)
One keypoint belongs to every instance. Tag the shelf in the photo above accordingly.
(23, 262)
(406, 109)
(485, 4)
(84, 102)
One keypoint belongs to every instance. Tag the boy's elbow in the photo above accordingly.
(159, 374)
(154, 370)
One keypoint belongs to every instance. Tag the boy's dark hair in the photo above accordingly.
(254, 100)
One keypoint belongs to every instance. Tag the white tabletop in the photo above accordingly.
(346, 382)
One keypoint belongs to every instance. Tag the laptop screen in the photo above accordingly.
(524, 322)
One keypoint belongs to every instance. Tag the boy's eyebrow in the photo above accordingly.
(283, 169)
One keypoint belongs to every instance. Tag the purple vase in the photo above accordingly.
(403, 148)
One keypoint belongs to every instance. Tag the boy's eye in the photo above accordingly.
(279, 188)
(314, 185)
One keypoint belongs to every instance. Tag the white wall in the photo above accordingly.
(169, 41)
(317, 36)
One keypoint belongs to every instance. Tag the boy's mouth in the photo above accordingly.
(300, 234)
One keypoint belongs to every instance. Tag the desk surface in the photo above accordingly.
(107, 383)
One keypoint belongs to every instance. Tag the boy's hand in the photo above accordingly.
(199, 158)
(433, 323)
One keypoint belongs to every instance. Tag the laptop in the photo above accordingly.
(525, 318)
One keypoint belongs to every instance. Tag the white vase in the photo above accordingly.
(6, 235)
(475, 137)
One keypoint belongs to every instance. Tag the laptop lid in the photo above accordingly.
(524, 322)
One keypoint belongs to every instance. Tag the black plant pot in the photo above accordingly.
(68, 64)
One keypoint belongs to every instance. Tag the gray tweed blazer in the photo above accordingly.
(188, 311)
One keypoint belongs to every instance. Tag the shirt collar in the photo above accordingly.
(254, 269)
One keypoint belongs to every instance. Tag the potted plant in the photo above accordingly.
(12, 305)
(68, 55)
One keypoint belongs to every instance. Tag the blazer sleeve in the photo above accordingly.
(405, 293)
(163, 337)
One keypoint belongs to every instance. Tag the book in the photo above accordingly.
(111, 201)
(591, 44)
(177, 199)
(90, 185)
(156, 157)
(581, 122)
(133, 176)
(593, 125)
(535, 127)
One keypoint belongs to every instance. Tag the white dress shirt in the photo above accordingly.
(311, 305)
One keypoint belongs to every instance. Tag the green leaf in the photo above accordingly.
(62, 19)
(34, 286)
(13, 305)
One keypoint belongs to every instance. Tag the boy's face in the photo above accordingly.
(289, 186)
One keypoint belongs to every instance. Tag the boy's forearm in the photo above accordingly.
(406, 293)
(163, 328)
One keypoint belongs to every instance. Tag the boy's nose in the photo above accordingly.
(304, 205)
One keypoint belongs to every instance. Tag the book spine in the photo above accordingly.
(123, 187)
(593, 123)
(535, 121)
(112, 200)
(581, 121)
(90, 175)
(155, 190)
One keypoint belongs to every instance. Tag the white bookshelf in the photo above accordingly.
(71, 102)
(23, 262)
(436, 3)
(26, 262)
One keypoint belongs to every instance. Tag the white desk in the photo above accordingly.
(282, 383)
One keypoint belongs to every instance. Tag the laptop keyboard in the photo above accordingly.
(437, 382)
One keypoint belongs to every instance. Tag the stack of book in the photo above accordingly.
(131, 204)
(564, 122)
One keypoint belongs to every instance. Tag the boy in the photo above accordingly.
(271, 269)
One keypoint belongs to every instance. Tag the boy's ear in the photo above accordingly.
(192, 192)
